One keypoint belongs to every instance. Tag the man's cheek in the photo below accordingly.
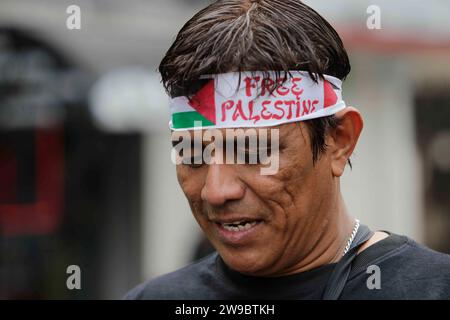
(196, 207)
(274, 195)
(191, 188)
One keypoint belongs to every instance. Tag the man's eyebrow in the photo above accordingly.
(175, 142)
(248, 139)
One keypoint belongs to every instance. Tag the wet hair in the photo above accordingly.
(256, 35)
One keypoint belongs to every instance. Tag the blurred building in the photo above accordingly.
(85, 170)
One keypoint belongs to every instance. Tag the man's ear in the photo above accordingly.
(343, 138)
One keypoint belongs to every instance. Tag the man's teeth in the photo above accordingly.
(239, 225)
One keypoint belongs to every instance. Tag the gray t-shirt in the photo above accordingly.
(407, 270)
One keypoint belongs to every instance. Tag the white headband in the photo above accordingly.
(232, 101)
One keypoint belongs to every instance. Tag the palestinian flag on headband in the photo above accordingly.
(230, 101)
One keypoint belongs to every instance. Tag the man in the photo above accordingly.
(277, 65)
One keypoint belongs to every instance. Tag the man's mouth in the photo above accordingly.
(239, 225)
(237, 231)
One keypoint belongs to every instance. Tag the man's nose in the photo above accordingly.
(221, 185)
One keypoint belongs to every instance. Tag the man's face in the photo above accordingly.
(284, 210)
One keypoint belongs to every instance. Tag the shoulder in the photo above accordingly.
(183, 283)
(419, 272)
(404, 252)
(407, 270)
(425, 261)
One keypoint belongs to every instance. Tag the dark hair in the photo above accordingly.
(256, 35)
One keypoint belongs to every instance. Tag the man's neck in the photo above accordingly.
(330, 246)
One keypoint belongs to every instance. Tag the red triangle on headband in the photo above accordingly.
(204, 102)
(329, 96)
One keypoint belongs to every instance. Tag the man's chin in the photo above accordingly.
(245, 264)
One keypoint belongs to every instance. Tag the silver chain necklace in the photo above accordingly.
(352, 236)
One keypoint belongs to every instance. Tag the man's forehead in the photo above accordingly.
(280, 132)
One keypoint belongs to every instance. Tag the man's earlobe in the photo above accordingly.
(344, 138)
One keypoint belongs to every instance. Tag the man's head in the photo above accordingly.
(293, 207)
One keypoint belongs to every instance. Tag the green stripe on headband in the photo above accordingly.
(182, 120)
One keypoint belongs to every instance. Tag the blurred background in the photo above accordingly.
(85, 171)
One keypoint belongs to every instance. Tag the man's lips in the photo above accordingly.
(235, 219)
(237, 230)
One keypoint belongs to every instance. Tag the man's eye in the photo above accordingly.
(253, 156)
(193, 162)
(264, 155)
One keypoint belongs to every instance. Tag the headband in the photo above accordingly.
(248, 99)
